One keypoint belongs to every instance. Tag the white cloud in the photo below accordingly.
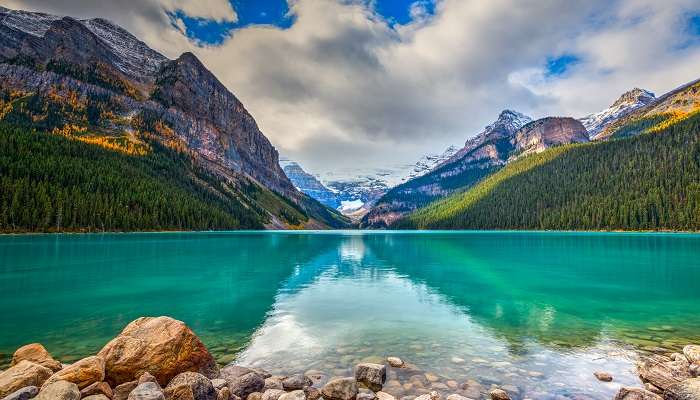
(340, 87)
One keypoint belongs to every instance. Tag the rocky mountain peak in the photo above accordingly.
(539, 135)
(634, 97)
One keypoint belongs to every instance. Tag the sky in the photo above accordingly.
(371, 83)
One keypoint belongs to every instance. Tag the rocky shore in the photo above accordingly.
(162, 359)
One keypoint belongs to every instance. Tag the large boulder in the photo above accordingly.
(340, 389)
(25, 393)
(25, 373)
(161, 346)
(147, 391)
(630, 393)
(372, 375)
(663, 374)
(83, 373)
(689, 389)
(692, 353)
(59, 390)
(200, 386)
(242, 381)
(37, 354)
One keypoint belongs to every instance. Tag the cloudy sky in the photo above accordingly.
(336, 83)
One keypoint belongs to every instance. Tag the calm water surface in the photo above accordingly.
(534, 312)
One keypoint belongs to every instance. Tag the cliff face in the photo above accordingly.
(539, 135)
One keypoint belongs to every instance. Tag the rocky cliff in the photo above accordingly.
(544, 133)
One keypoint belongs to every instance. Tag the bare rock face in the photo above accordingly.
(689, 389)
(340, 389)
(539, 135)
(59, 390)
(83, 373)
(161, 346)
(37, 354)
(25, 373)
(628, 393)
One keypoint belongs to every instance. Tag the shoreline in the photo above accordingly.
(159, 358)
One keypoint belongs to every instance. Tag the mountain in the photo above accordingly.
(628, 102)
(544, 133)
(309, 184)
(92, 81)
(650, 181)
(429, 162)
(481, 155)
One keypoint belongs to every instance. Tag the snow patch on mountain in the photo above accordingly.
(33, 23)
(628, 102)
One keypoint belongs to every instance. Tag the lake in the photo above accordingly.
(537, 313)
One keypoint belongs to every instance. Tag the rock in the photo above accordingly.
(340, 389)
(224, 394)
(147, 377)
(83, 373)
(95, 397)
(629, 393)
(384, 396)
(431, 377)
(147, 391)
(457, 397)
(255, 396)
(499, 394)
(648, 386)
(59, 390)
(694, 369)
(372, 375)
(202, 388)
(161, 346)
(429, 396)
(689, 389)
(25, 373)
(179, 393)
(264, 374)
(97, 388)
(242, 381)
(457, 360)
(368, 395)
(395, 362)
(25, 393)
(296, 382)
(273, 383)
(37, 354)
(663, 374)
(312, 393)
(603, 376)
(692, 353)
(272, 394)
(122, 391)
(219, 383)
(294, 395)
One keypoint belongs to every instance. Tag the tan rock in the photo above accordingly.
(395, 362)
(97, 388)
(692, 353)
(24, 373)
(628, 393)
(603, 376)
(689, 389)
(200, 386)
(340, 389)
(83, 373)
(162, 346)
(223, 394)
(59, 390)
(663, 374)
(95, 397)
(121, 392)
(384, 396)
(499, 394)
(37, 354)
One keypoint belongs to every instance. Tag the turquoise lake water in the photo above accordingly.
(537, 313)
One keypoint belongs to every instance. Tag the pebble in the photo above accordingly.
(603, 376)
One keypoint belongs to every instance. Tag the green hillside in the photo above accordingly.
(49, 182)
(646, 182)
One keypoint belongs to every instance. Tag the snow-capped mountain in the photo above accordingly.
(628, 102)
(429, 162)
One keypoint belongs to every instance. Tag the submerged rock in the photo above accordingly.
(628, 393)
(395, 362)
(499, 394)
(340, 389)
(161, 346)
(25, 373)
(59, 390)
(83, 373)
(372, 375)
(603, 376)
(37, 354)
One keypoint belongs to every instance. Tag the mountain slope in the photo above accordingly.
(309, 185)
(93, 80)
(480, 156)
(647, 182)
(624, 105)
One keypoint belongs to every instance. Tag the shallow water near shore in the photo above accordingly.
(536, 313)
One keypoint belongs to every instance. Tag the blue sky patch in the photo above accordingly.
(559, 65)
(399, 11)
